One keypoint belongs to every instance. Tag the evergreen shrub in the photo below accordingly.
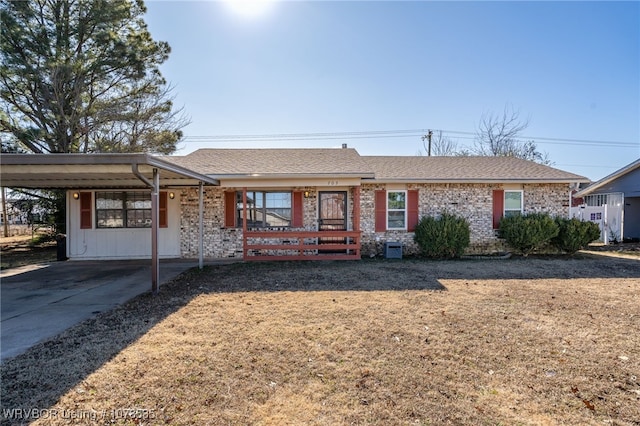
(443, 237)
(527, 233)
(574, 234)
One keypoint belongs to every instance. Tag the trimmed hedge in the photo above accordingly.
(574, 234)
(443, 237)
(527, 233)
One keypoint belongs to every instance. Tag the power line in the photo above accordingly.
(562, 140)
(403, 133)
(325, 134)
(284, 138)
(593, 166)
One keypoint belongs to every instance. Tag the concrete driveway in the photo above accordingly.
(40, 301)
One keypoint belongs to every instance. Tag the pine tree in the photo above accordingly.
(80, 76)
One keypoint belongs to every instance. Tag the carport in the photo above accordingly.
(106, 171)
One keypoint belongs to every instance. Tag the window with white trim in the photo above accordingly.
(265, 209)
(123, 209)
(513, 204)
(397, 210)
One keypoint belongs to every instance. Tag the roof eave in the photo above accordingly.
(480, 181)
(260, 176)
(608, 179)
(60, 159)
(120, 160)
(172, 167)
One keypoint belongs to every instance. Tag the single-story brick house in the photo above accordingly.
(288, 203)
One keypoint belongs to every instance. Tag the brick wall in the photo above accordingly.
(473, 201)
(219, 241)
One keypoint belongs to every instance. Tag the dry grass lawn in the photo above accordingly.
(517, 342)
(19, 251)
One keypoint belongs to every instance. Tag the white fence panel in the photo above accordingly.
(615, 222)
(595, 214)
(608, 218)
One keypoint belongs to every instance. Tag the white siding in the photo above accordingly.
(122, 243)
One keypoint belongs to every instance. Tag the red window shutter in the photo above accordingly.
(498, 207)
(381, 211)
(230, 209)
(298, 210)
(412, 210)
(163, 215)
(85, 211)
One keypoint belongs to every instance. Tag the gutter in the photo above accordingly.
(136, 172)
(105, 159)
(259, 176)
(478, 181)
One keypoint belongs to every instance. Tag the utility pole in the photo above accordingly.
(428, 137)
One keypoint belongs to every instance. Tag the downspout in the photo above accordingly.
(155, 204)
(136, 172)
(201, 225)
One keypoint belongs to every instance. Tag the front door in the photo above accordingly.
(332, 215)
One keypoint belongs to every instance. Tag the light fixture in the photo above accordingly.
(172, 195)
(306, 194)
(76, 195)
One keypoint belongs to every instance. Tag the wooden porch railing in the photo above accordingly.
(301, 245)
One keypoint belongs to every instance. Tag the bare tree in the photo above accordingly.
(500, 135)
(436, 144)
(443, 146)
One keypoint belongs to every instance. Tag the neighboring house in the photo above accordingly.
(614, 203)
(16, 215)
(299, 203)
(23, 213)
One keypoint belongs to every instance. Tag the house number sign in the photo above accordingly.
(333, 183)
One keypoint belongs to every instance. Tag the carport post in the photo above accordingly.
(155, 206)
(201, 227)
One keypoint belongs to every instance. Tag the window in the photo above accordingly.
(512, 203)
(506, 203)
(611, 199)
(265, 209)
(396, 209)
(110, 209)
(138, 211)
(123, 209)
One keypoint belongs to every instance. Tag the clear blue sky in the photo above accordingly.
(571, 68)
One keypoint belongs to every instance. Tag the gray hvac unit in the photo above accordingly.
(393, 250)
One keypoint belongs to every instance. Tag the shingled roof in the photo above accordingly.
(276, 162)
(255, 163)
(465, 169)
